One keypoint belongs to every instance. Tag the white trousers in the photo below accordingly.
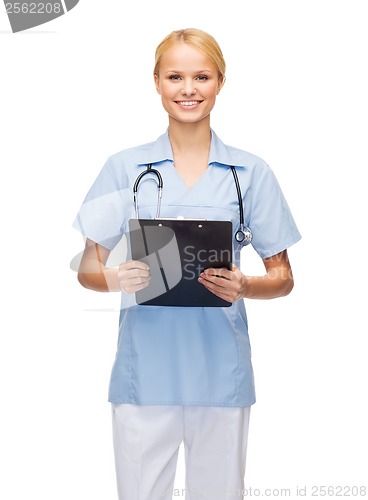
(146, 444)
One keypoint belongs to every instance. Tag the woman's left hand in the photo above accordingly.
(234, 285)
(228, 285)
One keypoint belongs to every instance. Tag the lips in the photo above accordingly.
(188, 104)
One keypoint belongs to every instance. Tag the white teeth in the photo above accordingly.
(188, 103)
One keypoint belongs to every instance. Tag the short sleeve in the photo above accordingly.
(104, 212)
(270, 218)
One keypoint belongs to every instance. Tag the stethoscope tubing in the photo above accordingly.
(160, 185)
(243, 234)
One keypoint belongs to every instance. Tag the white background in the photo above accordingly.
(80, 88)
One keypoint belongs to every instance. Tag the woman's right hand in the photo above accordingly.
(133, 276)
(129, 277)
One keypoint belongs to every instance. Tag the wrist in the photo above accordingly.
(111, 278)
(244, 290)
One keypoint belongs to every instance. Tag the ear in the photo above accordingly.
(221, 83)
(157, 83)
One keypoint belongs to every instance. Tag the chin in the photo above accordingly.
(187, 119)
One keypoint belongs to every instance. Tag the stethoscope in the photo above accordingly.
(243, 234)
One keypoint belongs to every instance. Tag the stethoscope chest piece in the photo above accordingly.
(244, 236)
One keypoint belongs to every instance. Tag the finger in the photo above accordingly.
(139, 264)
(221, 272)
(220, 291)
(140, 286)
(134, 284)
(223, 288)
(135, 288)
(135, 280)
(136, 273)
(128, 274)
(134, 264)
(215, 279)
(212, 285)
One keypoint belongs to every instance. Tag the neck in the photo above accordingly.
(188, 137)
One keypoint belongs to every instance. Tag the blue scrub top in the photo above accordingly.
(185, 355)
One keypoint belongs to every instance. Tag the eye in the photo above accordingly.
(202, 78)
(174, 77)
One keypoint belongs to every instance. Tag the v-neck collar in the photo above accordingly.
(160, 150)
(183, 186)
(160, 155)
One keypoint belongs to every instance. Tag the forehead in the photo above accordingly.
(186, 57)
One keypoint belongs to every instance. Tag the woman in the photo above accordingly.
(184, 374)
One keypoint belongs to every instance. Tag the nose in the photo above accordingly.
(188, 88)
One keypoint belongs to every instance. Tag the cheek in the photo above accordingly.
(167, 90)
(212, 90)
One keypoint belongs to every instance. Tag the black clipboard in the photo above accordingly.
(177, 251)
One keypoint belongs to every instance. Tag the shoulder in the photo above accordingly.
(122, 165)
(150, 152)
(245, 158)
(119, 168)
(231, 155)
(132, 155)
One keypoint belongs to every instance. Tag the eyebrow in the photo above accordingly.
(178, 71)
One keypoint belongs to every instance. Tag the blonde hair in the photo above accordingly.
(199, 39)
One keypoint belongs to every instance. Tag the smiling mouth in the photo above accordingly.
(188, 103)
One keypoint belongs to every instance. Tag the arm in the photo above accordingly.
(130, 276)
(234, 285)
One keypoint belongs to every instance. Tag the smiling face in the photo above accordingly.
(188, 83)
